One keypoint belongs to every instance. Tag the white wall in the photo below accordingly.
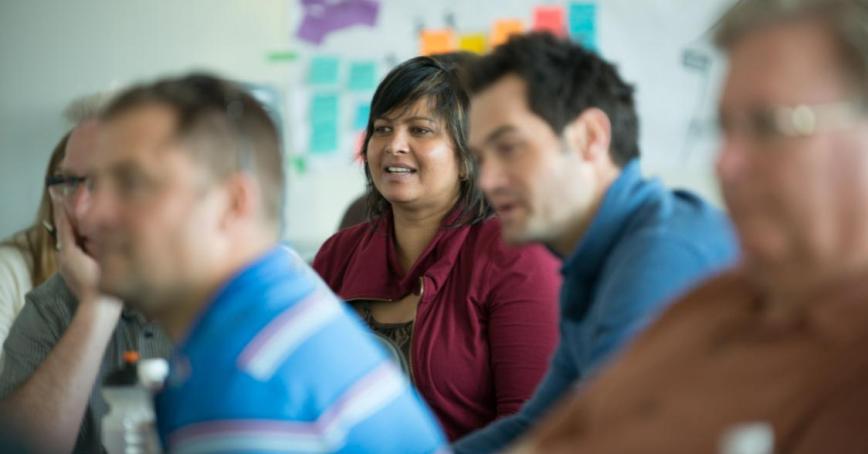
(54, 51)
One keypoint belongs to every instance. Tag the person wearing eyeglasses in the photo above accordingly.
(27, 257)
(69, 335)
(772, 354)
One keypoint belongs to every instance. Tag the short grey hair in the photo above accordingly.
(87, 107)
(847, 20)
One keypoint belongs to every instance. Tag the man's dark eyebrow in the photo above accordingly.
(498, 133)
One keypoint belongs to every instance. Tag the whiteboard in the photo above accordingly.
(656, 46)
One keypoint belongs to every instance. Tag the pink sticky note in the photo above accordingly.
(550, 19)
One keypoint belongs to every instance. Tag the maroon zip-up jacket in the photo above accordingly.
(486, 323)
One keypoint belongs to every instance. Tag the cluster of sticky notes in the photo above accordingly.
(324, 73)
(325, 70)
(578, 21)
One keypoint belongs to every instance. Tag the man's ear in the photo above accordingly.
(589, 134)
(242, 198)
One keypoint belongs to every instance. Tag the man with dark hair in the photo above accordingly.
(184, 222)
(770, 356)
(554, 130)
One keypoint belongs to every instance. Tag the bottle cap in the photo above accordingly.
(131, 356)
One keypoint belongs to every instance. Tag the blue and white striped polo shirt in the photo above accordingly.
(276, 363)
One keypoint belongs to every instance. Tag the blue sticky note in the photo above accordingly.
(363, 111)
(323, 71)
(324, 122)
(363, 76)
(323, 137)
(324, 107)
(583, 24)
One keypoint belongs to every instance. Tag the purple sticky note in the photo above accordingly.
(322, 17)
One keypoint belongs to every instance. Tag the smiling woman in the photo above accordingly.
(472, 320)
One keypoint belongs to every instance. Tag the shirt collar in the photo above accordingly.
(375, 271)
(626, 194)
(276, 262)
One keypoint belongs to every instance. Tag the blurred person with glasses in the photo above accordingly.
(69, 335)
(778, 342)
(27, 257)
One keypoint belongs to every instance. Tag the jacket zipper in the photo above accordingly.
(413, 332)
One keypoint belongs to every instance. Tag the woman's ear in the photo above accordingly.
(589, 134)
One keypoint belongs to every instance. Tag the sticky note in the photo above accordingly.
(300, 164)
(324, 123)
(583, 24)
(362, 76)
(503, 29)
(474, 43)
(436, 42)
(323, 71)
(550, 19)
(325, 17)
(363, 111)
(280, 56)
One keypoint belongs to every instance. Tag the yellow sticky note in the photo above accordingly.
(436, 42)
(472, 43)
(503, 29)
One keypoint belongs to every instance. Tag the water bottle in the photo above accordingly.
(749, 438)
(129, 426)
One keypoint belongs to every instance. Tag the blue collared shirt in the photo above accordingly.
(276, 363)
(645, 246)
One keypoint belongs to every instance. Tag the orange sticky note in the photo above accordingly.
(437, 42)
(503, 29)
(550, 19)
(474, 43)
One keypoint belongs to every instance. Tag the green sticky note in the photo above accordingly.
(281, 56)
(583, 24)
(363, 76)
(324, 123)
(363, 111)
(300, 164)
(323, 71)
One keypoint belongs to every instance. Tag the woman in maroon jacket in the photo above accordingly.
(474, 320)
